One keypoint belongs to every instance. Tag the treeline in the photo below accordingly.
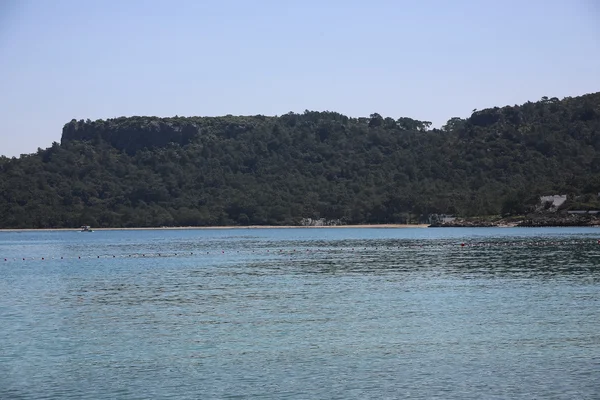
(258, 170)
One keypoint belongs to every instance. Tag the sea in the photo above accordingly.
(321, 313)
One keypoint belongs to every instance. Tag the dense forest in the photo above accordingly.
(259, 170)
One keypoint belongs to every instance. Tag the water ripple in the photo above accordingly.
(458, 314)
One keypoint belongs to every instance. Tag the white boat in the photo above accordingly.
(86, 228)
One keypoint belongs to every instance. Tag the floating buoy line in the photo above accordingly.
(431, 245)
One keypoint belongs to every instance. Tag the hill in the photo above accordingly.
(257, 170)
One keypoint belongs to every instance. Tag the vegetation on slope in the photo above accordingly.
(257, 170)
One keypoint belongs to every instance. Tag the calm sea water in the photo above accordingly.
(301, 313)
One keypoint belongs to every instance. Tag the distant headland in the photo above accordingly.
(491, 169)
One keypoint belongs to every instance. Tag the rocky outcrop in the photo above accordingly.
(560, 220)
(132, 134)
(464, 223)
(533, 220)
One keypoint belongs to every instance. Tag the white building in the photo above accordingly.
(555, 201)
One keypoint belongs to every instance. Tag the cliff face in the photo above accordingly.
(132, 134)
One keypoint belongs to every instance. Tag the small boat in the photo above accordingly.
(86, 228)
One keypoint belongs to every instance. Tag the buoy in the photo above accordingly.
(462, 245)
(42, 258)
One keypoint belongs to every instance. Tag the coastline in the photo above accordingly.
(174, 228)
(459, 223)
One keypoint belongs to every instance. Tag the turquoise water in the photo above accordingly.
(301, 313)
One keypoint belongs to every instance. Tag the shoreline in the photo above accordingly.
(176, 228)
(257, 227)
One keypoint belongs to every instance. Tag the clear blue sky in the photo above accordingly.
(428, 59)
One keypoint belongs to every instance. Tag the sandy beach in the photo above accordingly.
(383, 226)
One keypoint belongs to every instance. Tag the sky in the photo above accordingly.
(425, 59)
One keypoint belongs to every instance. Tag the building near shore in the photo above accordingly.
(554, 201)
(440, 218)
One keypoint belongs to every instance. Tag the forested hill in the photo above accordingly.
(148, 171)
